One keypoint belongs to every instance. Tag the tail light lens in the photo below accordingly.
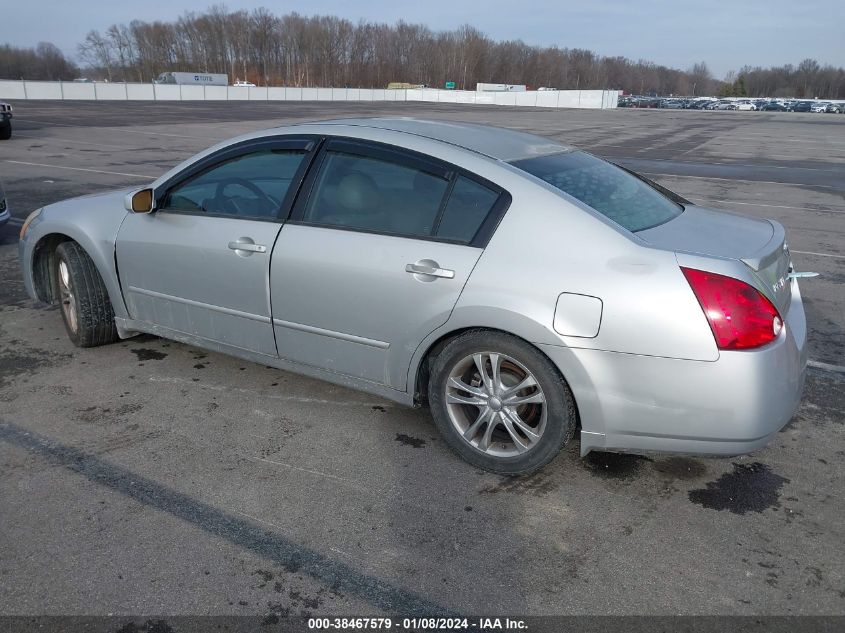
(739, 315)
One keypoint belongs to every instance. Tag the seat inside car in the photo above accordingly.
(415, 214)
(355, 201)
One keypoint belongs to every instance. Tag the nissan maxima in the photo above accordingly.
(520, 288)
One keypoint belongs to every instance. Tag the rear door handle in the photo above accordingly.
(249, 247)
(430, 270)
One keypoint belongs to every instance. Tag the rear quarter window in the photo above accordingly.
(468, 207)
(610, 190)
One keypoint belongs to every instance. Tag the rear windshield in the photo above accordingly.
(621, 196)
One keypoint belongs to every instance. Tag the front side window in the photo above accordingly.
(370, 194)
(249, 186)
(610, 190)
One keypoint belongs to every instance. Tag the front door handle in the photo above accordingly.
(429, 269)
(247, 246)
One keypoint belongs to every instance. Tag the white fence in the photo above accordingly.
(59, 90)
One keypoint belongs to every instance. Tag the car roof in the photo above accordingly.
(494, 142)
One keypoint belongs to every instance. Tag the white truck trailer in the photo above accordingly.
(500, 88)
(193, 79)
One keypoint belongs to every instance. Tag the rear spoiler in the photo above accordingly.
(771, 251)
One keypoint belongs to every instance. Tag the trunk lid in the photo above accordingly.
(759, 244)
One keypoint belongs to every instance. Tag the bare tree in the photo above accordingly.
(324, 50)
(97, 51)
(44, 62)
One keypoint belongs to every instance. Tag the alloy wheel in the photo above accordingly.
(68, 300)
(496, 404)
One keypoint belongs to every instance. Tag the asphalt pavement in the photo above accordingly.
(150, 477)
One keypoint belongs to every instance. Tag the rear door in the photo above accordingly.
(375, 257)
(200, 263)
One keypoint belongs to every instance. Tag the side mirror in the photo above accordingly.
(141, 201)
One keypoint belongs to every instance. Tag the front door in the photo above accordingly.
(199, 264)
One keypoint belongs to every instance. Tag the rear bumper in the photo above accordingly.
(731, 406)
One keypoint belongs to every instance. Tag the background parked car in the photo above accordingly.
(760, 104)
(775, 106)
(5, 121)
(648, 102)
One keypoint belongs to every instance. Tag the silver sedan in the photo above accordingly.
(520, 288)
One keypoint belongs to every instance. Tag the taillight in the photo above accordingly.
(739, 315)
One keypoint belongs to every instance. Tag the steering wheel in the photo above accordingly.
(246, 184)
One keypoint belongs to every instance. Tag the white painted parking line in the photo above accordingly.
(708, 162)
(15, 222)
(839, 369)
(746, 154)
(768, 206)
(58, 139)
(143, 132)
(96, 171)
(758, 182)
(754, 137)
(317, 473)
(119, 129)
(45, 122)
(818, 254)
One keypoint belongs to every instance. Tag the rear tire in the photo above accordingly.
(6, 132)
(86, 308)
(500, 403)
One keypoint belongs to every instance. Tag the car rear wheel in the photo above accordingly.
(86, 309)
(499, 403)
(5, 132)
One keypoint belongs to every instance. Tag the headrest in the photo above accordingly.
(358, 192)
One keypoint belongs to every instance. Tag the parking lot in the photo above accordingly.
(150, 477)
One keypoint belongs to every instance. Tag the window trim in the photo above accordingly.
(307, 144)
(406, 158)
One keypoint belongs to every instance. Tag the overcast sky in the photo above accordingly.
(727, 34)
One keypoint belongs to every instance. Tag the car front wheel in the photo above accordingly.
(500, 403)
(86, 309)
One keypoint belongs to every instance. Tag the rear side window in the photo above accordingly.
(613, 192)
(468, 207)
(369, 194)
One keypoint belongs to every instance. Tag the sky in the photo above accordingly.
(726, 34)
